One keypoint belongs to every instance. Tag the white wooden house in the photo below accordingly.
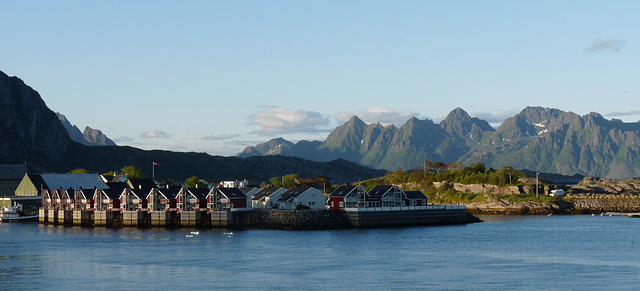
(267, 198)
(249, 192)
(302, 198)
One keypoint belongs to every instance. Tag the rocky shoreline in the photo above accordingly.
(576, 204)
(590, 196)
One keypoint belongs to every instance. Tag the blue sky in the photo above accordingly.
(216, 76)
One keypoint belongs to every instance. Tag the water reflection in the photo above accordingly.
(504, 252)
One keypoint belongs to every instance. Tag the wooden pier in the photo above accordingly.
(272, 219)
(142, 219)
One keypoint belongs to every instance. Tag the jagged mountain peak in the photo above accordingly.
(460, 124)
(90, 136)
(458, 114)
(96, 137)
(275, 146)
(355, 120)
(540, 115)
(416, 122)
(595, 116)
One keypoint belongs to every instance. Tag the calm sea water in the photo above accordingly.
(505, 252)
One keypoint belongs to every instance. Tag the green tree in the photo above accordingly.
(478, 167)
(194, 182)
(275, 182)
(133, 172)
(290, 180)
(439, 166)
(79, 171)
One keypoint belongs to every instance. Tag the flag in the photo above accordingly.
(156, 164)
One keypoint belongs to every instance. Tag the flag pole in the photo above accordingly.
(153, 171)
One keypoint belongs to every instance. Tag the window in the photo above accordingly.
(413, 203)
(341, 204)
(312, 203)
(332, 204)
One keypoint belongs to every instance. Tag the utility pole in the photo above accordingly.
(537, 185)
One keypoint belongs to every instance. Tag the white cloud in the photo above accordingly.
(220, 136)
(378, 114)
(599, 45)
(123, 139)
(243, 143)
(155, 134)
(624, 113)
(277, 120)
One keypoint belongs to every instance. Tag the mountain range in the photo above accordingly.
(537, 138)
(33, 134)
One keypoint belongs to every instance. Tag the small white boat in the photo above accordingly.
(195, 232)
(14, 213)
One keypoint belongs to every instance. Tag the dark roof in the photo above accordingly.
(293, 192)
(264, 193)
(141, 193)
(117, 185)
(88, 193)
(112, 193)
(415, 195)
(142, 183)
(246, 190)
(342, 191)
(37, 181)
(232, 193)
(12, 171)
(200, 193)
(378, 191)
(170, 193)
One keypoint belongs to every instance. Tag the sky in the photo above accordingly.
(217, 76)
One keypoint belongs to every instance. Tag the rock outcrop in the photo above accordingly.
(607, 186)
(95, 137)
(521, 207)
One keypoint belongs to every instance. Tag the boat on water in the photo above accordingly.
(14, 213)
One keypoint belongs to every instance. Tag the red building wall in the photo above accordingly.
(239, 202)
(334, 203)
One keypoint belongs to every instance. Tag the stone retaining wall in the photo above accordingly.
(297, 219)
